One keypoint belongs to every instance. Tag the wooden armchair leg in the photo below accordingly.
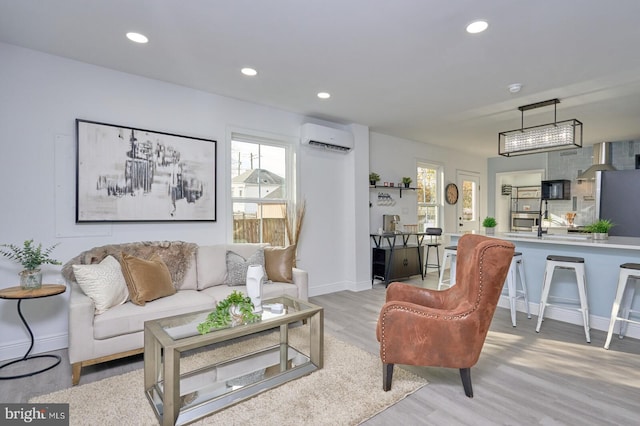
(76, 368)
(387, 376)
(465, 374)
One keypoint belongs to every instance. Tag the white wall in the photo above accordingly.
(392, 158)
(41, 96)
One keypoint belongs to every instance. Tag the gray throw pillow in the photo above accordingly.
(237, 266)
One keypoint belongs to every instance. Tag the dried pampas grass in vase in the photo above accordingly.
(293, 218)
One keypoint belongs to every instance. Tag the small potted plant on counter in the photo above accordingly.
(406, 181)
(30, 256)
(373, 178)
(489, 224)
(600, 229)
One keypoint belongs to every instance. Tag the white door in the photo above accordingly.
(469, 201)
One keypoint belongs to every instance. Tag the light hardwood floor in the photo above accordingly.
(522, 377)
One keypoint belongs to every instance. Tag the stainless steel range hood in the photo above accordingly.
(601, 161)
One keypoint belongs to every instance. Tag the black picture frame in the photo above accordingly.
(127, 174)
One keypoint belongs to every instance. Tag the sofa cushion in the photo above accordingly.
(237, 266)
(103, 283)
(129, 318)
(190, 281)
(278, 262)
(147, 280)
(211, 265)
(269, 291)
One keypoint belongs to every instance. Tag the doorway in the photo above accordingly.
(504, 182)
(469, 205)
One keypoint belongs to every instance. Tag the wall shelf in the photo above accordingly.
(401, 188)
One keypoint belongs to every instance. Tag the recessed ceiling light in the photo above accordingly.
(249, 71)
(477, 27)
(515, 87)
(137, 37)
(324, 95)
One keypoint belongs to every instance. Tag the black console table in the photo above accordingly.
(398, 258)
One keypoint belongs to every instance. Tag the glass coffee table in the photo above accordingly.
(182, 398)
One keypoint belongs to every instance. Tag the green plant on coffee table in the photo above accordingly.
(30, 256)
(489, 222)
(601, 226)
(221, 317)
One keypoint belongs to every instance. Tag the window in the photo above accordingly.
(261, 188)
(429, 195)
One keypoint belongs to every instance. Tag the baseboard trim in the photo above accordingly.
(49, 343)
(572, 317)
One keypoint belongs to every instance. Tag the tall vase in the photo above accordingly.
(255, 276)
(31, 279)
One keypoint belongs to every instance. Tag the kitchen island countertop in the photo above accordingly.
(585, 240)
(602, 264)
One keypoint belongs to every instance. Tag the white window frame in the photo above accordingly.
(258, 138)
(439, 205)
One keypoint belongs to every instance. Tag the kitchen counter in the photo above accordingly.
(602, 262)
(577, 239)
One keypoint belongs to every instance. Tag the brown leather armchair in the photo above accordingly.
(447, 328)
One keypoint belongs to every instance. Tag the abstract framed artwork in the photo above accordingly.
(126, 174)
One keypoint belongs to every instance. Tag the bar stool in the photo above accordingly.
(433, 242)
(517, 268)
(624, 297)
(566, 262)
(450, 254)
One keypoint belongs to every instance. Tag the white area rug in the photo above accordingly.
(347, 391)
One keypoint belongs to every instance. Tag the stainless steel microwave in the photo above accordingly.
(524, 221)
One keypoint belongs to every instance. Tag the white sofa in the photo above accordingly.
(118, 332)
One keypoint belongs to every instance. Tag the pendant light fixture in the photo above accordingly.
(554, 136)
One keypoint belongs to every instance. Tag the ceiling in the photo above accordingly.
(405, 68)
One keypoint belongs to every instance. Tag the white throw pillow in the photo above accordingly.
(103, 282)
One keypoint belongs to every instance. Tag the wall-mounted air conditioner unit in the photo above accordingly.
(329, 138)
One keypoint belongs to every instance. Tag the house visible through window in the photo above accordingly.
(261, 188)
(429, 195)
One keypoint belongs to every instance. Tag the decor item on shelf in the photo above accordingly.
(31, 257)
(255, 278)
(385, 199)
(406, 181)
(373, 178)
(600, 229)
(554, 136)
(490, 224)
(236, 309)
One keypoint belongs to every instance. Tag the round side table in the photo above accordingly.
(19, 294)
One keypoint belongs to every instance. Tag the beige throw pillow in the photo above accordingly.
(103, 283)
(147, 280)
(278, 262)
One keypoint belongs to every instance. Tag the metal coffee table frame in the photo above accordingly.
(162, 354)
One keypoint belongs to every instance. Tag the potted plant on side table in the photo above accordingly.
(31, 257)
(600, 229)
(489, 224)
